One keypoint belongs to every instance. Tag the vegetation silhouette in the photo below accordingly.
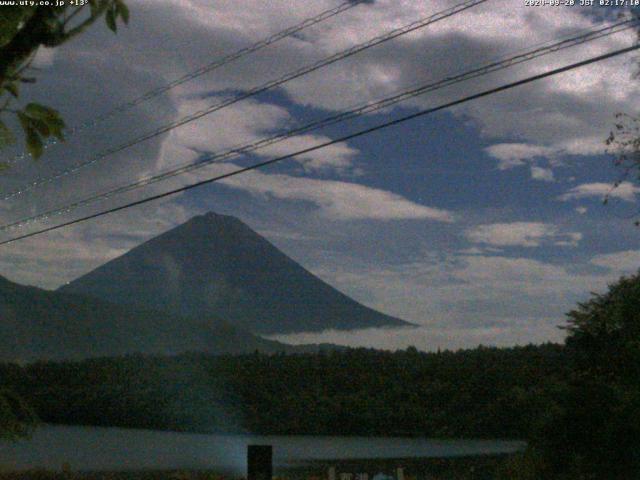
(23, 30)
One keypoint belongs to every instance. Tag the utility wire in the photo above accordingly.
(591, 35)
(360, 133)
(151, 94)
(252, 92)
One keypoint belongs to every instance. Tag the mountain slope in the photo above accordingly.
(215, 264)
(39, 324)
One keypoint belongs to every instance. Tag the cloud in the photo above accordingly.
(543, 174)
(624, 262)
(567, 114)
(338, 199)
(244, 124)
(432, 338)
(572, 240)
(625, 191)
(471, 251)
(44, 57)
(521, 234)
(511, 155)
(101, 70)
(68, 253)
(460, 301)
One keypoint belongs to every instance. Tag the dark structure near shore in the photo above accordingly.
(259, 462)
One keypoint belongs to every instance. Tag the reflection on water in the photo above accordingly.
(91, 448)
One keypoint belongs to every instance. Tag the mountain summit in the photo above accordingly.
(216, 265)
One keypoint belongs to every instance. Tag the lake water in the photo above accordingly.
(91, 448)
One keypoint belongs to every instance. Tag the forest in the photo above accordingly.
(486, 392)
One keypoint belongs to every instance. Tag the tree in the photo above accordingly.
(624, 144)
(597, 433)
(623, 141)
(17, 418)
(23, 30)
(593, 432)
(604, 334)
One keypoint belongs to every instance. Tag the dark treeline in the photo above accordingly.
(485, 392)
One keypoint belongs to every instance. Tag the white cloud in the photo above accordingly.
(433, 338)
(572, 240)
(543, 174)
(63, 255)
(511, 155)
(471, 251)
(460, 301)
(245, 123)
(567, 114)
(337, 199)
(625, 262)
(625, 191)
(44, 57)
(522, 234)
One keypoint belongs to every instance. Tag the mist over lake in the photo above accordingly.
(95, 448)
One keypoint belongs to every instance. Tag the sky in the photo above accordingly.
(482, 224)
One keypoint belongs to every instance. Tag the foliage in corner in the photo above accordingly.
(23, 30)
(604, 333)
(596, 431)
(623, 143)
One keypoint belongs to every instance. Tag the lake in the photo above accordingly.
(93, 448)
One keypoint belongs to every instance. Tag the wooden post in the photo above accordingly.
(259, 462)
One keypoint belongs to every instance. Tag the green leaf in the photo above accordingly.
(6, 136)
(11, 20)
(41, 126)
(12, 88)
(38, 122)
(56, 131)
(110, 18)
(34, 142)
(57, 125)
(93, 4)
(35, 110)
(123, 10)
(25, 121)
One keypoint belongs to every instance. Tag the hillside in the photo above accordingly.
(39, 324)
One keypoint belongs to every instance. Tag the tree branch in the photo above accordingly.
(83, 26)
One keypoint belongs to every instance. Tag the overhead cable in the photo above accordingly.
(413, 26)
(359, 133)
(371, 107)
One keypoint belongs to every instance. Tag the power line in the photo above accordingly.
(149, 95)
(360, 133)
(254, 91)
(583, 37)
